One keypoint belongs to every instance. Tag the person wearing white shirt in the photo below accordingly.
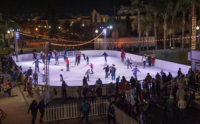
(41, 53)
(144, 61)
(43, 74)
(61, 75)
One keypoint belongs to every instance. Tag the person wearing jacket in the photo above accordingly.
(10, 87)
(122, 56)
(34, 108)
(111, 113)
(56, 58)
(64, 85)
(144, 61)
(149, 60)
(113, 70)
(43, 74)
(41, 107)
(29, 72)
(128, 88)
(87, 58)
(76, 60)
(84, 80)
(91, 65)
(61, 75)
(105, 56)
(37, 65)
(14, 79)
(85, 110)
(85, 90)
(35, 78)
(88, 74)
(106, 71)
(128, 63)
(169, 105)
(99, 82)
(135, 70)
(67, 64)
(182, 106)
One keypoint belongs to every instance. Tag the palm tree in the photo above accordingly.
(154, 7)
(165, 11)
(193, 5)
(173, 14)
(138, 7)
(182, 6)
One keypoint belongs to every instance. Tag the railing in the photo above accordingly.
(68, 111)
(69, 53)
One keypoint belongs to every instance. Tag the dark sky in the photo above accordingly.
(25, 4)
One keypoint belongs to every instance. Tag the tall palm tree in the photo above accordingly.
(193, 5)
(173, 14)
(165, 11)
(182, 6)
(138, 7)
(154, 7)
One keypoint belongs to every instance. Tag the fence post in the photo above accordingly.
(64, 111)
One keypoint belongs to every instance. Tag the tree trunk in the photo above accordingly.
(190, 31)
(139, 33)
(193, 43)
(155, 35)
(173, 32)
(143, 41)
(147, 39)
(183, 30)
(165, 28)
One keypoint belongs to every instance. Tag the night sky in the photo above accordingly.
(24, 5)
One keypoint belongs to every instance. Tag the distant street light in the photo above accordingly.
(8, 39)
(59, 27)
(96, 31)
(111, 27)
(45, 26)
(36, 29)
(197, 27)
(49, 26)
(83, 25)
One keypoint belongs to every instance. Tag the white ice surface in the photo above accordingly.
(77, 72)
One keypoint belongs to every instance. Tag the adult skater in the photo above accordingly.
(91, 65)
(88, 74)
(43, 58)
(106, 71)
(122, 56)
(113, 70)
(56, 58)
(61, 75)
(149, 60)
(79, 57)
(87, 58)
(76, 60)
(83, 56)
(35, 78)
(29, 72)
(43, 74)
(128, 63)
(144, 61)
(105, 56)
(37, 65)
(135, 70)
(67, 64)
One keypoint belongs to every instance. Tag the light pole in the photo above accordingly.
(96, 31)
(198, 32)
(8, 39)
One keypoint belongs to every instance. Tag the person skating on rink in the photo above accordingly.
(122, 56)
(67, 64)
(61, 75)
(91, 65)
(135, 70)
(88, 74)
(76, 60)
(87, 58)
(113, 70)
(128, 63)
(106, 71)
(105, 56)
(83, 56)
(56, 59)
(37, 65)
(43, 57)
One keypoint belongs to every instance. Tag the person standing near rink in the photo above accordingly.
(88, 74)
(37, 65)
(128, 63)
(113, 70)
(105, 56)
(135, 70)
(122, 56)
(106, 71)
(87, 58)
(76, 60)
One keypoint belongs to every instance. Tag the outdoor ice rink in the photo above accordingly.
(77, 72)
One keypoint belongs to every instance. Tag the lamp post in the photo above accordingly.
(96, 31)
(8, 39)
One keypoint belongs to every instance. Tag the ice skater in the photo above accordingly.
(128, 63)
(56, 58)
(43, 75)
(37, 65)
(61, 75)
(91, 65)
(135, 70)
(88, 74)
(105, 56)
(43, 57)
(113, 70)
(67, 64)
(87, 58)
(76, 60)
(83, 56)
(122, 56)
(106, 71)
